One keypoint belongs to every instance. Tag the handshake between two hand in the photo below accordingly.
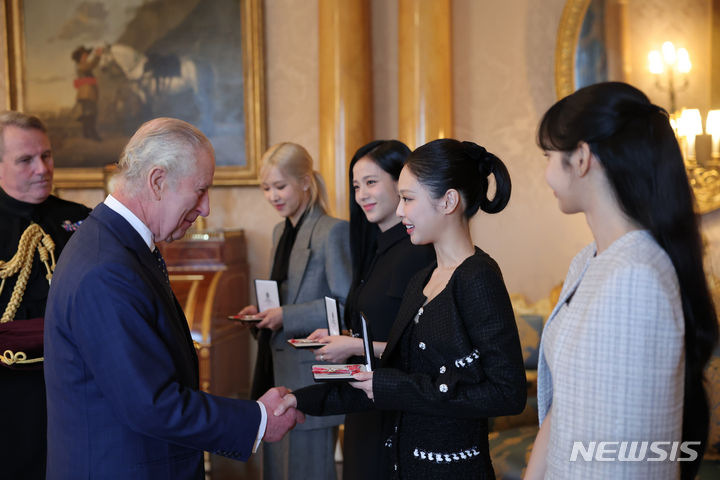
(281, 413)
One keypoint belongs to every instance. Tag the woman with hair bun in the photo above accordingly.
(384, 261)
(453, 356)
(623, 352)
(311, 260)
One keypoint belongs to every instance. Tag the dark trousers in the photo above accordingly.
(364, 451)
(23, 424)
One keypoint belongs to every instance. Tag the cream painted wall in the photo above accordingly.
(503, 56)
(503, 80)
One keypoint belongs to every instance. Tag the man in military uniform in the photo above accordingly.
(34, 228)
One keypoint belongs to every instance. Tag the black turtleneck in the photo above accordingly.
(58, 218)
(381, 288)
(285, 244)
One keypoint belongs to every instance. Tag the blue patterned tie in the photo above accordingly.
(161, 264)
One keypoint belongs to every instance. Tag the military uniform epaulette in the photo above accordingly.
(33, 238)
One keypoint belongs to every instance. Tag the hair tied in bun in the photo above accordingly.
(485, 159)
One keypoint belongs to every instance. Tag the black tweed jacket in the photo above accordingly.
(449, 364)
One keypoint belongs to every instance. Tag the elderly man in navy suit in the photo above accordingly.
(120, 368)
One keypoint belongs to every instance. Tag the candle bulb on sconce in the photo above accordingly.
(712, 128)
(689, 125)
(683, 61)
(655, 63)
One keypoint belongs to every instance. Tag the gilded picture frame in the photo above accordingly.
(245, 85)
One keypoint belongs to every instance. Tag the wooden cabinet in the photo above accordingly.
(209, 275)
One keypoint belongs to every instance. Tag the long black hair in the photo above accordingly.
(390, 155)
(637, 147)
(464, 166)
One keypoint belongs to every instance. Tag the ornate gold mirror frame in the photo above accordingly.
(567, 39)
(705, 181)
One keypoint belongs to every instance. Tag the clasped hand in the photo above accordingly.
(278, 424)
(364, 383)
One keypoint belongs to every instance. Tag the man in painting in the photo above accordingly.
(87, 89)
(34, 226)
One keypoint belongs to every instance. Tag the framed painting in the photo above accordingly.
(95, 70)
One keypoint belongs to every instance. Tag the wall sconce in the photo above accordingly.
(672, 62)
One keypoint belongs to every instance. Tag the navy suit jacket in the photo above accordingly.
(121, 371)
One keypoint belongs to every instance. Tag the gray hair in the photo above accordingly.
(167, 143)
(11, 118)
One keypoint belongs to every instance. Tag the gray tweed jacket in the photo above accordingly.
(612, 359)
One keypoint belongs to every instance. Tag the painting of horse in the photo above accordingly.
(164, 84)
(107, 66)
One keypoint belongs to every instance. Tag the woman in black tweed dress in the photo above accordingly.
(384, 261)
(453, 357)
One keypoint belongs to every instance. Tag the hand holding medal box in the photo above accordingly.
(245, 318)
(266, 292)
(305, 343)
(333, 319)
(344, 372)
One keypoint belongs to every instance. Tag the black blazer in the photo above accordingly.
(443, 373)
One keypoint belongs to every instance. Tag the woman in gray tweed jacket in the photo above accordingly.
(453, 356)
(623, 352)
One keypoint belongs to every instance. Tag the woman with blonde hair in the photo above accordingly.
(311, 260)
